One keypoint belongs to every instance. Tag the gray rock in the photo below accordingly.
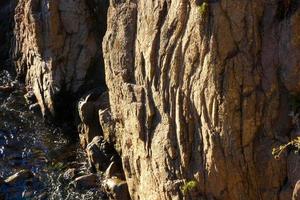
(116, 189)
(19, 176)
(35, 107)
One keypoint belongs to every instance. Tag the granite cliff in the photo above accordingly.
(187, 91)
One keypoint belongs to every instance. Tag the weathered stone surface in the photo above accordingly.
(57, 50)
(106, 121)
(99, 153)
(114, 170)
(202, 92)
(116, 189)
(88, 108)
(296, 193)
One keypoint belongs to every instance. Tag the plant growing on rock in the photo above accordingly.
(188, 186)
(203, 9)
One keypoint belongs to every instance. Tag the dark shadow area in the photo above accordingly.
(6, 34)
(286, 8)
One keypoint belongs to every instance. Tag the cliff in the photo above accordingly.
(198, 91)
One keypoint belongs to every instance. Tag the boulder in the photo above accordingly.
(116, 189)
(296, 193)
(35, 107)
(114, 170)
(99, 154)
(22, 175)
(88, 107)
(6, 89)
(86, 182)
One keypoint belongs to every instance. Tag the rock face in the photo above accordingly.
(57, 50)
(201, 91)
(296, 193)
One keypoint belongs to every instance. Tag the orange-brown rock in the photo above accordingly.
(57, 50)
(201, 91)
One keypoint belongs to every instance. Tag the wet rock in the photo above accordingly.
(116, 189)
(296, 193)
(6, 89)
(70, 174)
(75, 52)
(27, 194)
(43, 196)
(35, 107)
(112, 170)
(19, 176)
(99, 153)
(86, 182)
(30, 97)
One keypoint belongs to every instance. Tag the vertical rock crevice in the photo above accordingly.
(57, 51)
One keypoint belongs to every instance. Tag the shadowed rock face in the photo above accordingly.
(202, 93)
(57, 50)
(6, 30)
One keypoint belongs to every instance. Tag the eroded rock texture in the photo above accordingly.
(57, 50)
(201, 92)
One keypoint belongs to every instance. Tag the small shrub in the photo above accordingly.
(295, 144)
(188, 186)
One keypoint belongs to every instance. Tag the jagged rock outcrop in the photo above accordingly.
(88, 108)
(57, 50)
(200, 90)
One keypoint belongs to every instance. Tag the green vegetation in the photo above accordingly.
(188, 186)
(295, 144)
(203, 9)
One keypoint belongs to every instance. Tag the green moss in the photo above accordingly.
(203, 9)
(188, 186)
